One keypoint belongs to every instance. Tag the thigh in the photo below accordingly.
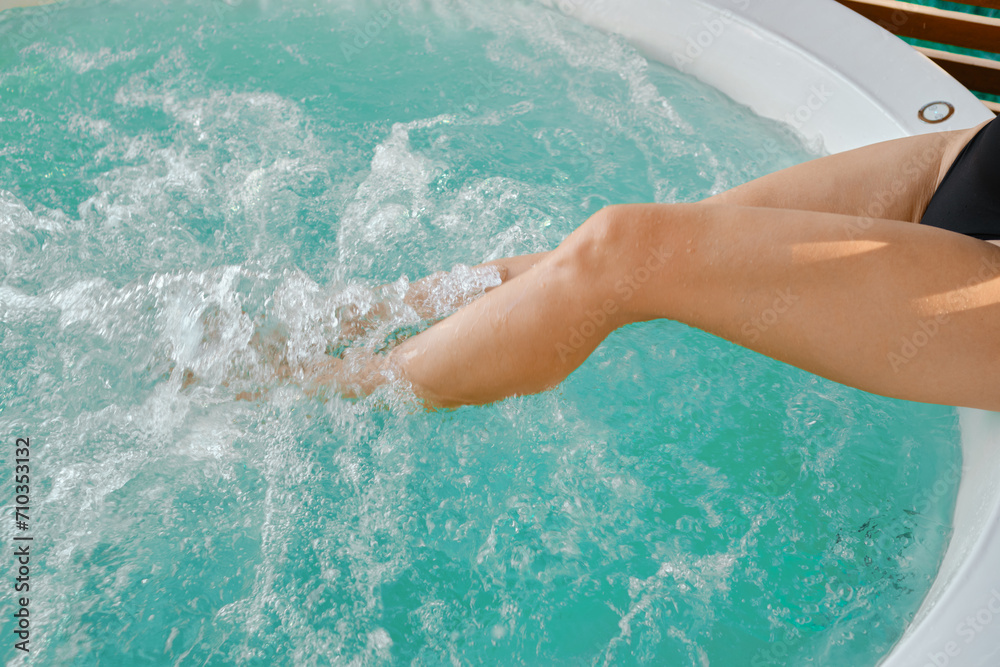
(889, 307)
(890, 180)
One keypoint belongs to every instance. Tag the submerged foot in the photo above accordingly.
(359, 373)
(429, 299)
(271, 346)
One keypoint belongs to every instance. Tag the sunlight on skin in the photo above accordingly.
(978, 292)
(803, 253)
(962, 299)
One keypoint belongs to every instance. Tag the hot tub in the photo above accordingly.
(738, 46)
(791, 60)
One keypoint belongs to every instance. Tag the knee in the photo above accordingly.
(634, 238)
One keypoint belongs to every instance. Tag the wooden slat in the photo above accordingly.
(993, 106)
(973, 73)
(935, 25)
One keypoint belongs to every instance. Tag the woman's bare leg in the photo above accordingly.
(892, 180)
(419, 295)
(552, 297)
(892, 308)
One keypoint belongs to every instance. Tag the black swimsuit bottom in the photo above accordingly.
(968, 199)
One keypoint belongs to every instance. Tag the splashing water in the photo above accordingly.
(186, 185)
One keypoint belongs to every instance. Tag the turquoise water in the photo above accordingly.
(175, 176)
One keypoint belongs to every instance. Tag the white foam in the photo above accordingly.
(376, 217)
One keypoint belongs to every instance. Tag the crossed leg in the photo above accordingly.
(892, 180)
(879, 304)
